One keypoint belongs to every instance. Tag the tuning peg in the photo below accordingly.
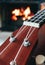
(12, 38)
(13, 62)
(26, 43)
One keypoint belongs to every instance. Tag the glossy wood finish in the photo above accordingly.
(26, 51)
(6, 42)
(9, 54)
(40, 49)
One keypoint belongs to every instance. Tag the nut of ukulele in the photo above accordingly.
(40, 59)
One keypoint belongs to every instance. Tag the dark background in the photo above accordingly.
(6, 7)
(20, 0)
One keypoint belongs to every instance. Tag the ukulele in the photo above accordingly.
(22, 44)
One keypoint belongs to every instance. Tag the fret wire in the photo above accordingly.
(40, 18)
(37, 14)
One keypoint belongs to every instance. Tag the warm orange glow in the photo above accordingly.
(16, 12)
(23, 18)
(21, 12)
(14, 17)
(27, 12)
(28, 17)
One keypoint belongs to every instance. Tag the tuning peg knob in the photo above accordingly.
(26, 43)
(13, 62)
(12, 38)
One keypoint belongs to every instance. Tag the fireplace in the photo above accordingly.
(9, 24)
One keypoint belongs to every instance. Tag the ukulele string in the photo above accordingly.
(35, 16)
(20, 30)
(35, 20)
(22, 45)
(41, 12)
(42, 20)
(9, 43)
(39, 19)
(16, 35)
(31, 26)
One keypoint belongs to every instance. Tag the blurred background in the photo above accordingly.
(14, 12)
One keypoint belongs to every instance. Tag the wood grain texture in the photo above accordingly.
(40, 49)
(11, 51)
(6, 42)
(22, 59)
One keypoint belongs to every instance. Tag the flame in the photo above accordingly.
(14, 17)
(23, 18)
(28, 17)
(21, 12)
(16, 12)
(27, 12)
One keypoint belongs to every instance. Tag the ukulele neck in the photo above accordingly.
(37, 20)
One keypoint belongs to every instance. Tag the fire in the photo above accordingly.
(17, 12)
(14, 17)
(25, 14)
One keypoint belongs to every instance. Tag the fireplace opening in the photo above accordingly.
(23, 13)
(12, 21)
